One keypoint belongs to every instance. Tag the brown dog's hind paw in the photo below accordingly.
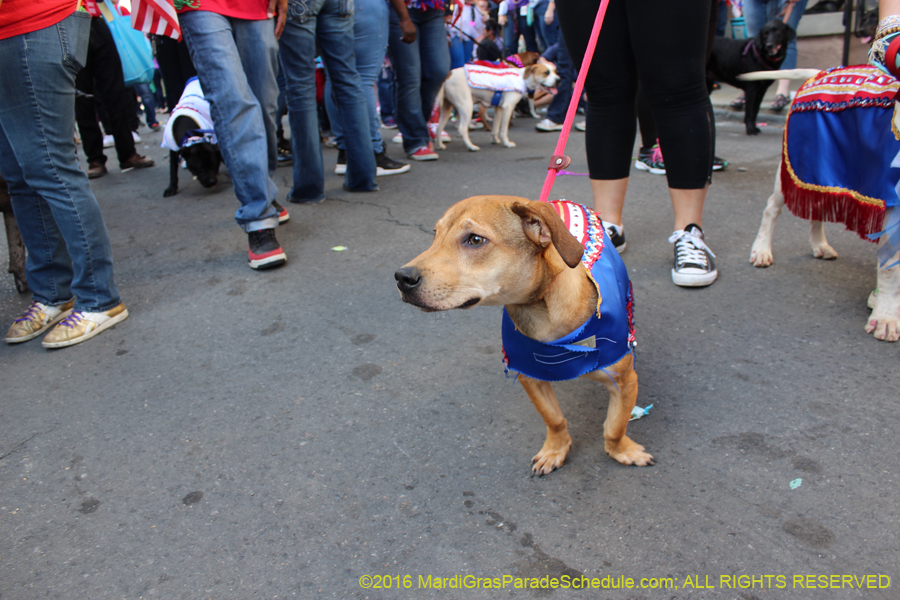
(628, 452)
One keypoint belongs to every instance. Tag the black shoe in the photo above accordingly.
(283, 216)
(694, 266)
(265, 251)
(616, 235)
(285, 156)
(387, 166)
(719, 164)
(341, 167)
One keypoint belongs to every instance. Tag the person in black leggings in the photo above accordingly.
(662, 45)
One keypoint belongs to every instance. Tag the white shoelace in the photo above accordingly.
(689, 247)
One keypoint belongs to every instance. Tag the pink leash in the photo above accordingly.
(560, 161)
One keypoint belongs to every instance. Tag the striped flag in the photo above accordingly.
(155, 16)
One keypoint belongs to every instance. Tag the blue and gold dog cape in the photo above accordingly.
(602, 340)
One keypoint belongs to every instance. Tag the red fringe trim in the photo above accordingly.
(831, 207)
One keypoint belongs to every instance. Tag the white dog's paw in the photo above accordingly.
(473, 148)
(886, 329)
(824, 251)
(438, 144)
(884, 322)
(509, 144)
(761, 257)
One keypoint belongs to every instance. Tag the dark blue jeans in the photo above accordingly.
(330, 24)
(420, 69)
(556, 112)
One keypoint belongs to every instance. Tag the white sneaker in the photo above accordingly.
(108, 141)
(136, 137)
(397, 139)
(581, 125)
(694, 266)
(548, 125)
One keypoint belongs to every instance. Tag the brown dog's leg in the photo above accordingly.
(623, 388)
(553, 454)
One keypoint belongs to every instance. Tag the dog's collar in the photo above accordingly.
(198, 136)
(751, 46)
(599, 342)
(515, 60)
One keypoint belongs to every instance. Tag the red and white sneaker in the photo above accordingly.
(265, 251)
(283, 216)
(424, 153)
(432, 129)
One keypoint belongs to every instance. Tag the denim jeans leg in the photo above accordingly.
(258, 49)
(435, 56)
(370, 30)
(547, 34)
(297, 51)
(334, 32)
(407, 64)
(240, 122)
(59, 218)
(556, 112)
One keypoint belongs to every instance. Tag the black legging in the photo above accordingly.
(662, 45)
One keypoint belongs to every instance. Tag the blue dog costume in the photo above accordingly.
(599, 342)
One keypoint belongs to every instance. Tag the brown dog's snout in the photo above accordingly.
(408, 279)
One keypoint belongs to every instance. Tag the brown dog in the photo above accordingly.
(503, 250)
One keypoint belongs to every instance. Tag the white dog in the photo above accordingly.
(884, 321)
(514, 84)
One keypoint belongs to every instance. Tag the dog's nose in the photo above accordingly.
(408, 279)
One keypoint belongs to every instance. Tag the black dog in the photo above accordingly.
(202, 158)
(765, 52)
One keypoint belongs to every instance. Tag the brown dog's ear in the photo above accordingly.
(543, 226)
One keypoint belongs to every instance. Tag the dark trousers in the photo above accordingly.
(662, 45)
(101, 79)
(176, 67)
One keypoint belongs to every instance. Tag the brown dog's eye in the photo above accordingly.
(475, 240)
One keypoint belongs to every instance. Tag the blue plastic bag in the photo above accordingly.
(134, 49)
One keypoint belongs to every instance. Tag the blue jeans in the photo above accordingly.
(68, 246)
(546, 34)
(148, 100)
(330, 23)
(759, 12)
(236, 61)
(420, 69)
(556, 112)
(370, 31)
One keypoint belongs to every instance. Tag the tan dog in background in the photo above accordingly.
(457, 94)
(503, 250)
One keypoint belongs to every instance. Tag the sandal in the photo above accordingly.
(779, 103)
(738, 103)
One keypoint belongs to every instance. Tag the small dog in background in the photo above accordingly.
(190, 136)
(765, 52)
(507, 87)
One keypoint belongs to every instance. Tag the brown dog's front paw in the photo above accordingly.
(549, 459)
(628, 452)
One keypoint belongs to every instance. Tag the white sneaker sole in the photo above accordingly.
(269, 262)
(340, 169)
(100, 328)
(379, 172)
(640, 166)
(694, 279)
(42, 330)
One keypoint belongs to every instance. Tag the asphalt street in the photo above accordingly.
(301, 433)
